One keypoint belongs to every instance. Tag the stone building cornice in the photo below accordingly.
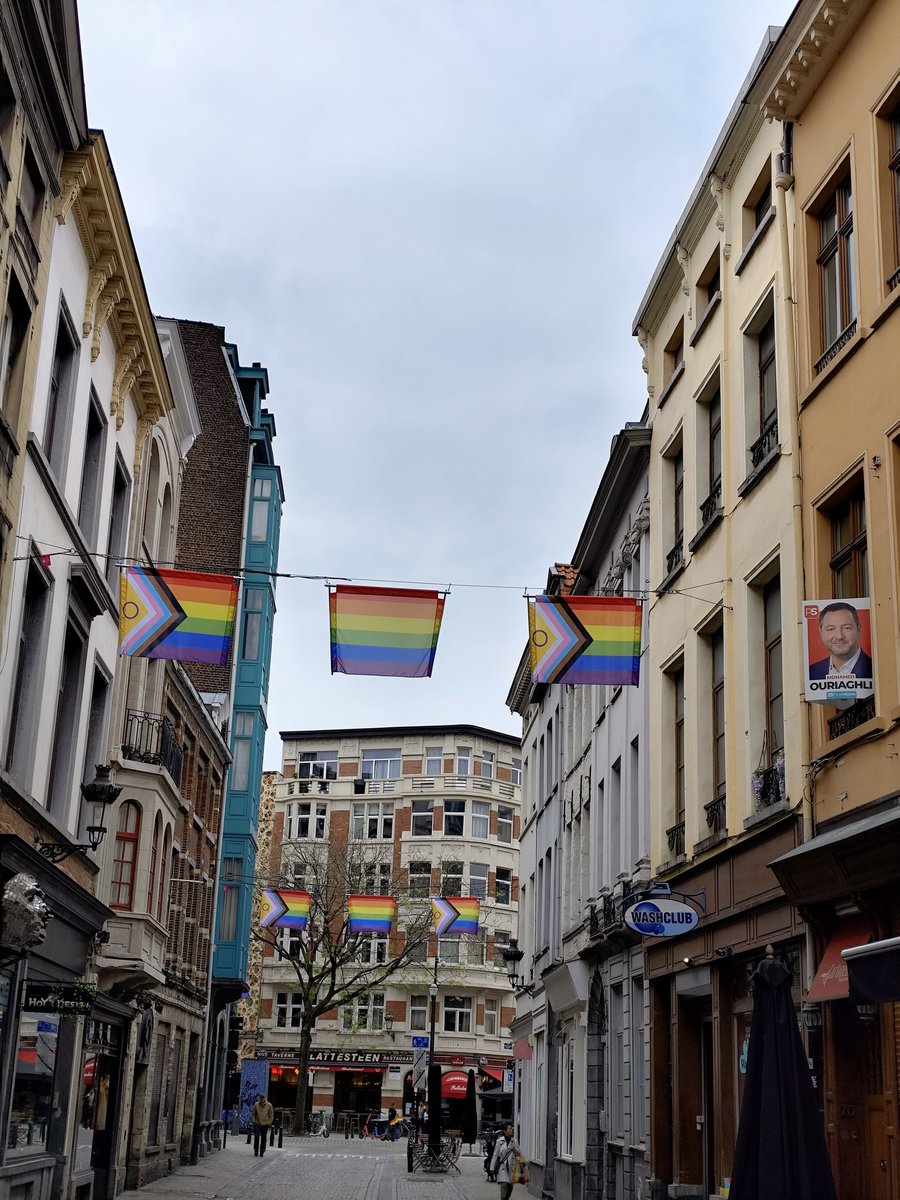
(116, 296)
(806, 51)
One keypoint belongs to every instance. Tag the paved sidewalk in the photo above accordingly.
(212, 1175)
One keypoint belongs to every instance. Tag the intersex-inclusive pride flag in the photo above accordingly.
(185, 615)
(371, 914)
(384, 631)
(585, 639)
(284, 909)
(458, 914)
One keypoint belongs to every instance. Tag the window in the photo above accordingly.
(154, 862)
(34, 1106)
(288, 1010)
(894, 169)
(763, 204)
(371, 879)
(92, 471)
(774, 683)
(454, 817)
(768, 391)
(156, 1091)
(484, 765)
(289, 942)
(503, 886)
(501, 943)
(849, 573)
(638, 1082)
(448, 950)
(475, 947)
(709, 293)
(463, 759)
(242, 748)
(491, 1016)
(433, 761)
(259, 514)
(458, 1014)
(451, 879)
(504, 824)
(366, 1012)
(68, 713)
(172, 1089)
(478, 880)
(372, 948)
(118, 521)
(837, 287)
(62, 390)
(516, 771)
(419, 952)
(717, 657)
(678, 495)
(481, 819)
(420, 879)
(677, 678)
(317, 764)
(373, 820)
(16, 319)
(381, 764)
(253, 612)
(422, 818)
(164, 867)
(565, 1083)
(29, 672)
(303, 819)
(418, 1012)
(125, 861)
(231, 895)
(673, 357)
(617, 1063)
(715, 442)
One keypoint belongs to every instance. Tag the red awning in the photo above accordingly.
(832, 981)
(522, 1050)
(453, 1085)
(494, 1074)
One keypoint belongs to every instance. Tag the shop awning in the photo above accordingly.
(854, 856)
(522, 1050)
(492, 1076)
(832, 981)
(874, 971)
(453, 1085)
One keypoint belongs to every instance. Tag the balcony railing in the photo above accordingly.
(712, 503)
(715, 814)
(151, 738)
(675, 557)
(893, 280)
(605, 915)
(836, 347)
(308, 787)
(764, 444)
(767, 786)
(675, 837)
(426, 784)
(851, 718)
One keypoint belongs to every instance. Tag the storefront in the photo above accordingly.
(43, 998)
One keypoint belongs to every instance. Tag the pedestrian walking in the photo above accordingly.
(262, 1116)
(505, 1154)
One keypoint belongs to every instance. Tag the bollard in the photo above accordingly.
(250, 1134)
(280, 1136)
(271, 1135)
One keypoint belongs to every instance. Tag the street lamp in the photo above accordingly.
(99, 794)
(513, 956)
(389, 1024)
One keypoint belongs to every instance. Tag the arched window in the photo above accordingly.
(161, 897)
(128, 833)
(154, 863)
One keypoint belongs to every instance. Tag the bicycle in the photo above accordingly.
(317, 1125)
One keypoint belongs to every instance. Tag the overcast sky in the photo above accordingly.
(432, 221)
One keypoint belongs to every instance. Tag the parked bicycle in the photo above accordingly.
(317, 1124)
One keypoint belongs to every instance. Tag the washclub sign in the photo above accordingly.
(660, 916)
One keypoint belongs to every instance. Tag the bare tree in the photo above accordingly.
(326, 958)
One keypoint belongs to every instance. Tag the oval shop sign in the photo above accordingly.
(661, 918)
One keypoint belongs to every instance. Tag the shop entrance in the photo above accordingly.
(862, 1149)
(357, 1091)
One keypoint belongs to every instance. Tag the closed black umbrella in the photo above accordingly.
(780, 1152)
(470, 1113)
(434, 1105)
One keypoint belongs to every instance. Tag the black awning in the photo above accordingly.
(874, 972)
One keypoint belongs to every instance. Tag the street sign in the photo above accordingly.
(661, 918)
(420, 1070)
(509, 1079)
(420, 1043)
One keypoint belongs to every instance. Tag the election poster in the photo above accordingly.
(838, 647)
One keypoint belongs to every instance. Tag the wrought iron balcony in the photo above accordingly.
(857, 714)
(893, 280)
(675, 557)
(151, 738)
(675, 837)
(767, 787)
(715, 814)
(836, 347)
(712, 503)
(765, 443)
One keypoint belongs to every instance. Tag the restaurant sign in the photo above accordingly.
(67, 999)
(327, 1058)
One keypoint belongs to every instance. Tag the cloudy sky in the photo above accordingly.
(432, 220)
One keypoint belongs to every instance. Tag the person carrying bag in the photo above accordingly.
(505, 1160)
(262, 1116)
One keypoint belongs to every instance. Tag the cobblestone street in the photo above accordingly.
(316, 1169)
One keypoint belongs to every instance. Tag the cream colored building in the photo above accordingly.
(727, 729)
(832, 87)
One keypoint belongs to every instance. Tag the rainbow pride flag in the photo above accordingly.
(183, 615)
(384, 631)
(282, 908)
(456, 914)
(371, 914)
(585, 639)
